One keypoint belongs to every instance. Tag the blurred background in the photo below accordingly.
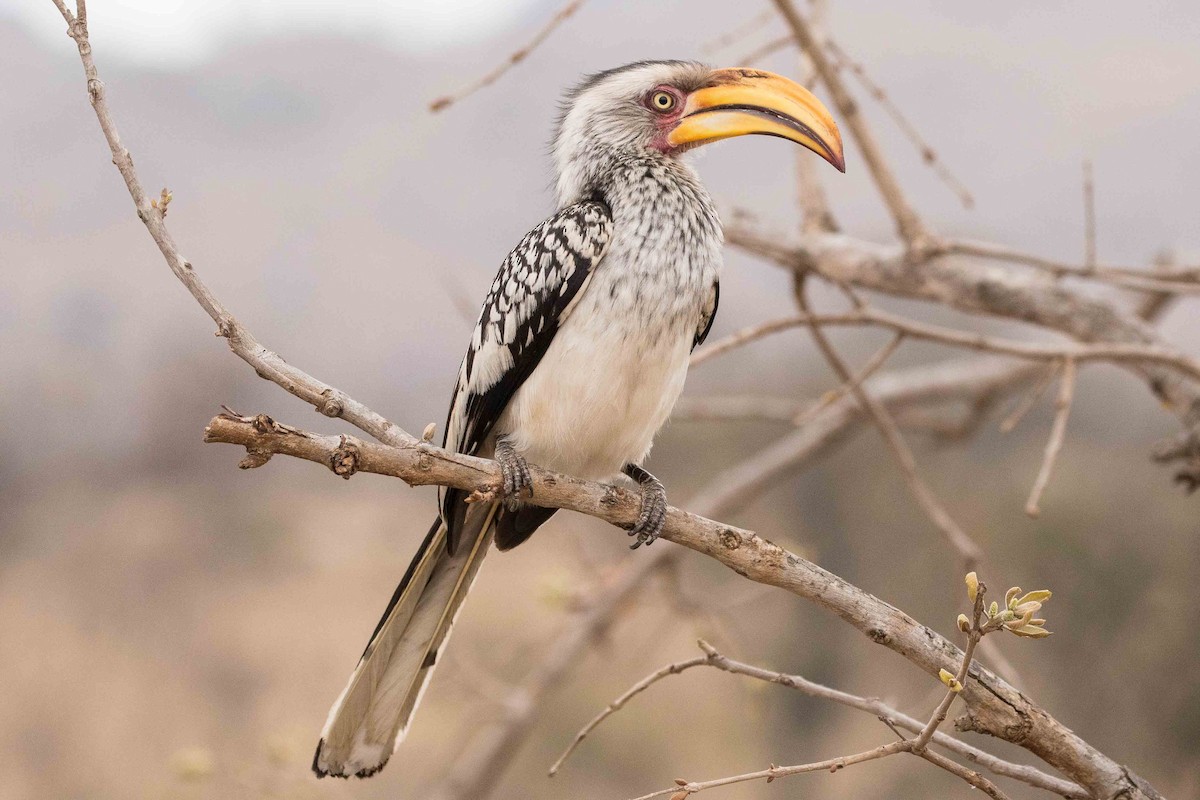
(171, 627)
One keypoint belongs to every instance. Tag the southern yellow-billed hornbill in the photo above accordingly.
(580, 351)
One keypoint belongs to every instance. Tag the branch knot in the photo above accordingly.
(345, 459)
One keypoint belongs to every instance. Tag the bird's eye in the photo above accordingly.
(661, 101)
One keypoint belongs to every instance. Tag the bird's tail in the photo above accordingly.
(370, 718)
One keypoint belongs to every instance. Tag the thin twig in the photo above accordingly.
(1030, 399)
(873, 364)
(829, 765)
(1066, 394)
(877, 92)
(960, 680)
(742, 337)
(619, 703)
(890, 716)
(968, 550)
(560, 16)
(972, 341)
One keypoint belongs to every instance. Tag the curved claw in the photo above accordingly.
(514, 470)
(653, 516)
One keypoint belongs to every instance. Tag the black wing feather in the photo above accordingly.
(528, 300)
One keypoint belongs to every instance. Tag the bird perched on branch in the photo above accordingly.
(580, 351)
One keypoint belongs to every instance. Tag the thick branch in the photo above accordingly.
(966, 285)
(993, 707)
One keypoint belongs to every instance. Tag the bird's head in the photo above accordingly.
(670, 107)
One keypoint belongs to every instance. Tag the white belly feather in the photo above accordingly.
(600, 393)
(611, 376)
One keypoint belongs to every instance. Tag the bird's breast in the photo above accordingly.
(616, 367)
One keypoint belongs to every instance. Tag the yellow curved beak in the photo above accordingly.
(738, 101)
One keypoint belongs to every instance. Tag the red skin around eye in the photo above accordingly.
(665, 122)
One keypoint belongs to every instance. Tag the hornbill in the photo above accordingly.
(580, 351)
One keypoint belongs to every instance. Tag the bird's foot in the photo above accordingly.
(514, 470)
(654, 507)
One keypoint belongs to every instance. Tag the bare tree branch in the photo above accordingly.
(1030, 400)
(874, 363)
(1116, 353)
(713, 658)
(965, 285)
(968, 550)
(1066, 394)
(1174, 281)
(993, 707)
(560, 16)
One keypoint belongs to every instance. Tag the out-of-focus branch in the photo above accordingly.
(873, 365)
(1066, 395)
(475, 774)
(1116, 353)
(909, 225)
(968, 550)
(1029, 400)
(966, 285)
(516, 57)
(1171, 280)
(737, 34)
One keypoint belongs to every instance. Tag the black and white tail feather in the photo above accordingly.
(373, 712)
(531, 296)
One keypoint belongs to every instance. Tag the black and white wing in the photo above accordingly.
(533, 293)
